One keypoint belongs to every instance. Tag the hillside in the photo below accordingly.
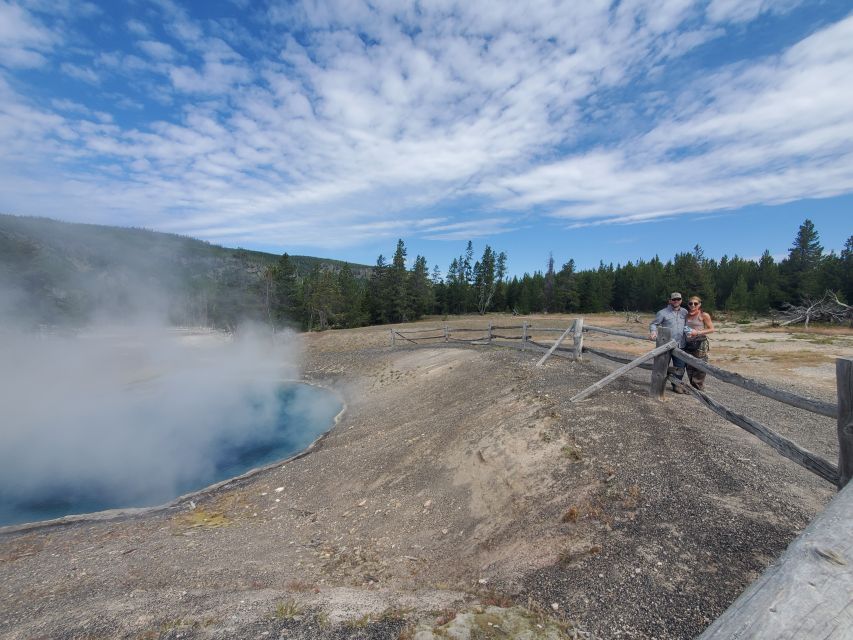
(61, 273)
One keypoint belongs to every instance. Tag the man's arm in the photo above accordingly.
(653, 327)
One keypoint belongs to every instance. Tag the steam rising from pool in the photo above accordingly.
(137, 417)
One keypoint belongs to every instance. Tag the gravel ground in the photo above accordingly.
(458, 478)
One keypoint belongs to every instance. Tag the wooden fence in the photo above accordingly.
(807, 593)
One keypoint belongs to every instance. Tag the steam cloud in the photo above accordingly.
(133, 415)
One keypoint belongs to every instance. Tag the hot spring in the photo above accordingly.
(131, 420)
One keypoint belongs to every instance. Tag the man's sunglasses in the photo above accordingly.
(674, 299)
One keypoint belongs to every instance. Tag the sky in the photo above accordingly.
(597, 131)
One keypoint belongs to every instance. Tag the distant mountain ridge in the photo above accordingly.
(63, 273)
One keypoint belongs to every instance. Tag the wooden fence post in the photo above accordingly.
(660, 366)
(393, 341)
(446, 334)
(490, 333)
(524, 336)
(578, 339)
(844, 384)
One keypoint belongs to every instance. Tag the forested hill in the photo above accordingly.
(62, 273)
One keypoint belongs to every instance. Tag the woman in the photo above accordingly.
(696, 327)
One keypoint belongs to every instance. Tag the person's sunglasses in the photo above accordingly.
(674, 299)
(693, 304)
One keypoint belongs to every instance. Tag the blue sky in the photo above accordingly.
(596, 131)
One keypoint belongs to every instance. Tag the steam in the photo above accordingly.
(134, 415)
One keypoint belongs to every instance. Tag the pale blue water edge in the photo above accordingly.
(300, 414)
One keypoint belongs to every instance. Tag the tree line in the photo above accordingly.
(394, 292)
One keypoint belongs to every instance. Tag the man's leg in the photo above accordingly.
(678, 366)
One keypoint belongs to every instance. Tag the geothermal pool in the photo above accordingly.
(275, 426)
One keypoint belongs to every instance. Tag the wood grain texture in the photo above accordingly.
(808, 593)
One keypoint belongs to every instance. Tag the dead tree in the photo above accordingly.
(828, 309)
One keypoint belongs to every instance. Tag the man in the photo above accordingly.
(672, 317)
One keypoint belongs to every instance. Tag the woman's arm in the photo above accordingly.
(709, 324)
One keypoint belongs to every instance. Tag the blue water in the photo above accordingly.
(300, 414)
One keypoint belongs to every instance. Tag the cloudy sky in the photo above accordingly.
(595, 130)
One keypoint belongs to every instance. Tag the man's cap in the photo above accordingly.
(674, 294)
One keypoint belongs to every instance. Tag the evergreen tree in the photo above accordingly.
(397, 290)
(566, 288)
(377, 292)
(847, 271)
(321, 299)
(488, 279)
(352, 299)
(768, 275)
(738, 300)
(286, 304)
(550, 277)
(801, 268)
(420, 289)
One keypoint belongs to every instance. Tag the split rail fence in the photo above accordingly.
(777, 605)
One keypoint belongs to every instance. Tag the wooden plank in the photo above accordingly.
(787, 448)
(393, 341)
(844, 384)
(535, 329)
(661, 364)
(546, 347)
(614, 357)
(556, 344)
(577, 339)
(806, 594)
(616, 332)
(562, 353)
(664, 348)
(410, 332)
(524, 336)
(815, 406)
(401, 336)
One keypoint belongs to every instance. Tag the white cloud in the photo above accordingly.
(156, 50)
(84, 74)
(383, 112)
(137, 28)
(23, 40)
(746, 10)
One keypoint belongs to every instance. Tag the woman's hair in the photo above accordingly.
(696, 298)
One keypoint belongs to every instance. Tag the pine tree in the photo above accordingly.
(352, 311)
(377, 292)
(802, 266)
(739, 298)
(550, 277)
(847, 270)
(419, 289)
(398, 298)
(286, 304)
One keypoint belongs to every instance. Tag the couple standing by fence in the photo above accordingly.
(690, 328)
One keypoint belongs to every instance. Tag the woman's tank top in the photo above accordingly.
(697, 324)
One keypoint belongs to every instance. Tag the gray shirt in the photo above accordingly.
(673, 320)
